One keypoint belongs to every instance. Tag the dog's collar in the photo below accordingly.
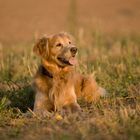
(45, 72)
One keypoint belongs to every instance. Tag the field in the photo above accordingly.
(116, 63)
(112, 56)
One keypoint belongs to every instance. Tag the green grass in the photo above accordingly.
(115, 60)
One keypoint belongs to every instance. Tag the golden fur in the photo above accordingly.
(57, 84)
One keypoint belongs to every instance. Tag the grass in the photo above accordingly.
(115, 60)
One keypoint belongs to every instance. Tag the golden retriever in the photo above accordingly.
(57, 85)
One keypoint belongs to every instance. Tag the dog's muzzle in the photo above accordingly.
(71, 59)
(73, 50)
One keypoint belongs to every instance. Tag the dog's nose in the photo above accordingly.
(73, 50)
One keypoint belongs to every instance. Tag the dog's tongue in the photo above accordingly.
(73, 61)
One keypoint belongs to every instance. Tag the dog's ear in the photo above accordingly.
(41, 47)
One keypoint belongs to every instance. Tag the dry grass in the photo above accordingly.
(116, 63)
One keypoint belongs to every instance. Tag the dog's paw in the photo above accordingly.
(71, 108)
(42, 113)
(75, 108)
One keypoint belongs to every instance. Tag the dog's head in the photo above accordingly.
(58, 49)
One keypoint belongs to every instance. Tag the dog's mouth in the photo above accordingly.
(71, 61)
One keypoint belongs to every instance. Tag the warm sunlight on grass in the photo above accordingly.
(115, 60)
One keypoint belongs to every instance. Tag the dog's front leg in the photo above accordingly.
(70, 102)
(42, 105)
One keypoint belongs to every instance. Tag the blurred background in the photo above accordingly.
(25, 20)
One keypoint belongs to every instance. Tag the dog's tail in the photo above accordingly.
(103, 92)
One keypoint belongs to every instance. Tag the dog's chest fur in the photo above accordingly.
(59, 88)
(62, 91)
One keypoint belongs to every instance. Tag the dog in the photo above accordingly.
(57, 85)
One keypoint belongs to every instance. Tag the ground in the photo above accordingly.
(116, 64)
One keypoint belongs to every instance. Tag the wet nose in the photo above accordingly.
(73, 50)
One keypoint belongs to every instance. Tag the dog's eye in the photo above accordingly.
(69, 42)
(59, 45)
